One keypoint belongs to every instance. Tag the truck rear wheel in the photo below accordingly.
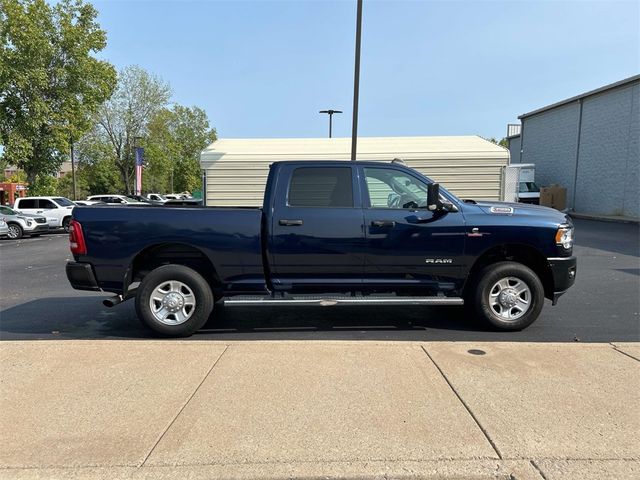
(508, 295)
(174, 301)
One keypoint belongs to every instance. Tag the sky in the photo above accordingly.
(265, 68)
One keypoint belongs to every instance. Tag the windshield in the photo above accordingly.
(63, 202)
(7, 211)
(528, 187)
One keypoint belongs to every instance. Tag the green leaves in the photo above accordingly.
(53, 90)
(51, 85)
(176, 138)
(124, 117)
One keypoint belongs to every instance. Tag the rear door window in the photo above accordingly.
(321, 187)
(27, 203)
(63, 202)
(46, 204)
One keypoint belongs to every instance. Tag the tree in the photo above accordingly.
(192, 134)
(159, 152)
(50, 82)
(176, 138)
(17, 177)
(43, 184)
(65, 186)
(124, 117)
(96, 167)
(503, 142)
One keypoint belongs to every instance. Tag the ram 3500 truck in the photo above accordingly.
(329, 232)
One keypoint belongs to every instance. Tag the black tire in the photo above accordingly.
(193, 281)
(65, 223)
(15, 231)
(494, 314)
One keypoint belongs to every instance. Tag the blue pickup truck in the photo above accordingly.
(329, 233)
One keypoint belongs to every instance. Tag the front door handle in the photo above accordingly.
(290, 223)
(382, 223)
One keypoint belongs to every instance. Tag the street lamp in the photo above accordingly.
(356, 82)
(330, 112)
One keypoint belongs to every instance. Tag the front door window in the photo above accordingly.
(394, 189)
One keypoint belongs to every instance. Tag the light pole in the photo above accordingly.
(356, 83)
(73, 172)
(330, 112)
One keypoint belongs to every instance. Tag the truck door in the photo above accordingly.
(317, 232)
(408, 247)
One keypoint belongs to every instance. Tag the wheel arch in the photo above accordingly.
(172, 253)
(514, 252)
(17, 224)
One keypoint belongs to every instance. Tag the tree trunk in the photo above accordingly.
(31, 175)
(123, 176)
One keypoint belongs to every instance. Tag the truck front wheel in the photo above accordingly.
(174, 301)
(508, 295)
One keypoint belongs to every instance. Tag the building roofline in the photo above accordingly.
(611, 86)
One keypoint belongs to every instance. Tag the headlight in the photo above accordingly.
(564, 237)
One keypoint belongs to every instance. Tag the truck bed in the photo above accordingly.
(117, 235)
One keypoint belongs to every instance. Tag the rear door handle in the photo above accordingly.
(290, 223)
(382, 223)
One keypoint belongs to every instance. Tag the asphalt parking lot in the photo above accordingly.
(36, 302)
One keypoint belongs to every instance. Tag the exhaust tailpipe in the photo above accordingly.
(112, 301)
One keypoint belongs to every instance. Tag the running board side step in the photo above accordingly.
(331, 301)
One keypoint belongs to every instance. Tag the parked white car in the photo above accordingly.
(156, 197)
(114, 200)
(4, 230)
(88, 202)
(57, 210)
(21, 224)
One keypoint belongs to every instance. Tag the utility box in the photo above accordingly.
(554, 196)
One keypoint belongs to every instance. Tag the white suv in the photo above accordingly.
(57, 210)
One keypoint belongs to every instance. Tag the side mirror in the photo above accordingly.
(433, 197)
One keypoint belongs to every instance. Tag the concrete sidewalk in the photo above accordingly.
(267, 410)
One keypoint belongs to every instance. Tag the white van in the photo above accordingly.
(57, 210)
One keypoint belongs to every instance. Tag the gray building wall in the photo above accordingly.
(550, 140)
(609, 160)
(607, 177)
(514, 149)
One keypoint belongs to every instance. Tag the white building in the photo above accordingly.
(469, 166)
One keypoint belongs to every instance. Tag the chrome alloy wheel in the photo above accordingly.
(510, 298)
(14, 232)
(172, 302)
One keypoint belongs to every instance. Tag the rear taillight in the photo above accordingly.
(76, 239)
